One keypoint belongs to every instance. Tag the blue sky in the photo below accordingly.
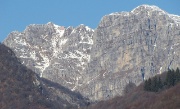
(17, 14)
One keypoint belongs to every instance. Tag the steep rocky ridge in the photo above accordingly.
(99, 63)
(54, 52)
(128, 44)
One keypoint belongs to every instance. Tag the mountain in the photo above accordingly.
(98, 63)
(21, 88)
(130, 47)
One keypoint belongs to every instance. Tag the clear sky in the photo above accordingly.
(17, 14)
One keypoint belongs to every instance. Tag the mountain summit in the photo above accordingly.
(125, 47)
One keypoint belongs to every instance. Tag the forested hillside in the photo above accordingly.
(166, 97)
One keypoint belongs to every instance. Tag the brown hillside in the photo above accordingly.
(140, 99)
(17, 90)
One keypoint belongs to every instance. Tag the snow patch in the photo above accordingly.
(104, 74)
(115, 13)
(59, 30)
(83, 55)
(119, 13)
(160, 70)
(62, 42)
(89, 40)
(73, 88)
(89, 29)
(154, 45)
(33, 55)
(44, 64)
(93, 79)
(171, 47)
(80, 56)
(176, 18)
(149, 7)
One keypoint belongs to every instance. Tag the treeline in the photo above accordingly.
(156, 83)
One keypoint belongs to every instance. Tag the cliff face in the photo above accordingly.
(130, 44)
(56, 53)
(99, 63)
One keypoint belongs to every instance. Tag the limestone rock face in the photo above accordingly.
(54, 52)
(128, 45)
(100, 63)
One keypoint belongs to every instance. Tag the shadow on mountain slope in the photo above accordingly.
(17, 90)
(21, 88)
(63, 95)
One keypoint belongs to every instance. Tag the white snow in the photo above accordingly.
(89, 39)
(62, 42)
(115, 13)
(59, 30)
(150, 7)
(76, 84)
(33, 55)
(69, 82)
(104, 74)
(73, 31)
(93, 79)
(176, 18)
(176, 44)
(83, 55)
(80, 56)
(89, 29)
(154, 45)
(58, 39)
(120, 13)
(44, 64)
(171, 47)
(23, 56)
(160, 70)
(73, 88)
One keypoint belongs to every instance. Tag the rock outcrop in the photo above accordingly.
(125, 47)
(130, 47)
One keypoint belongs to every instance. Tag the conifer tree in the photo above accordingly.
(146, 85)
(154, 86)
(149, 84)
(170, 78)
(177, 76)
(160, 85)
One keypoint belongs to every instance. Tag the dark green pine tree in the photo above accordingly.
(149, 84)
(160, 84)
(177, 76)
(146, 85)
(155, 84)
(177, 70)
(173, 78)
(170, 78)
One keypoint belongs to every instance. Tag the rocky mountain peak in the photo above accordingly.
(125, 47)
(147, 8)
